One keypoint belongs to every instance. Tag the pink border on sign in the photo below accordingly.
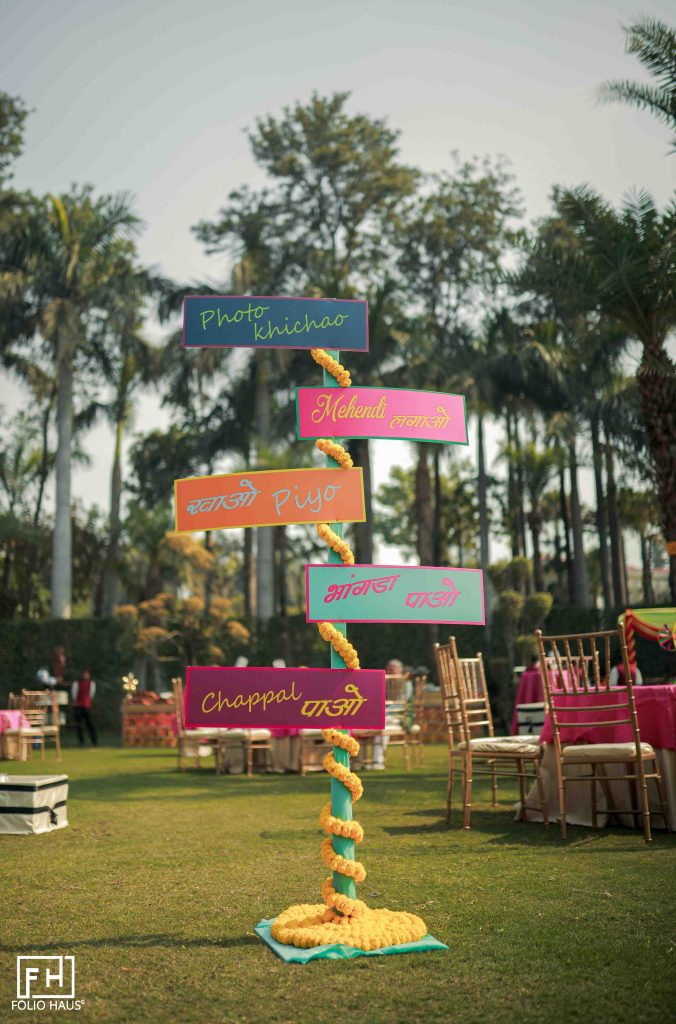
(406, 622)
(405, 402)
(304, 298)
(292, 725)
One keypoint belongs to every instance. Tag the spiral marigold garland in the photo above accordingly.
(341, 919)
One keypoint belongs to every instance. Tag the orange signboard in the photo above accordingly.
(269, 497)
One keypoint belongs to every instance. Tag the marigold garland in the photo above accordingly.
(336, 543)
(341, 919)
(339, 643)
(332, 366)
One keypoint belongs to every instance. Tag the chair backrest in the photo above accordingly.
(177, 687)
(419, 699)
(14, 701)
(573, 669)
(41, 700)
(396, 688)
(36, 716)
(463, 681)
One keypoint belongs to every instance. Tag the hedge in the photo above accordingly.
(106, 646)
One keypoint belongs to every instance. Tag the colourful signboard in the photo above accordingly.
(278, 321)
(285, 698)
(268, 498)
(394, 593)
(381, 412)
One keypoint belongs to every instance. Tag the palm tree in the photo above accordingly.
(630, 257)
(128, 360)
(654, 44)
(75, 249)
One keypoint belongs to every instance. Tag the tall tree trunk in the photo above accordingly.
(110, 573)
(423, 505)
(43, 472)
(601, 522)
(520, 489)
(647, 572)
(436, 509)
(209, 576)
(535, 523)
(265, 558)
(619, 590)
(511, 492)
(565, 522)
(580, 582)
(484, 535)
(62, 567)
(657, 389)
(625, 575)
(248, 578)
(360, 451)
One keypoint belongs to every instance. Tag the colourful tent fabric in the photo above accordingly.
(658, 624)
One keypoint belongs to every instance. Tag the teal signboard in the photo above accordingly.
(394, 593)
(279, 321)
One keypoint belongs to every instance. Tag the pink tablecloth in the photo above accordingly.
(529, 691)
(13, 720)
(655, 709)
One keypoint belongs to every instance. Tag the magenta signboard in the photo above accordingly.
(284, 698)
(381, 412)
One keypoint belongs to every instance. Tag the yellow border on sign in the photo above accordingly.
(263, 472)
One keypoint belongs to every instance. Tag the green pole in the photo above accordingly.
(341, 798)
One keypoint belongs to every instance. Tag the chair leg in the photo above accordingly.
(421, 748)
(522, 789)
(645, 806)
(494, 786)
(58, 746)
(249, 760)
(407, 760)
(664, 810)
(468, 791)
(593, 798)
(449, 791)
(562, 798)
(541, 794)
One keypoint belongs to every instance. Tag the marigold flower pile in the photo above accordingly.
(341, 919)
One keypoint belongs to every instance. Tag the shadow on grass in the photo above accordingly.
(142, 942)
(496, 833)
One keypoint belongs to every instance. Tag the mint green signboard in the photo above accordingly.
(394, 593)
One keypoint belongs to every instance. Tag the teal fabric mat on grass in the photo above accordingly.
(295, 955)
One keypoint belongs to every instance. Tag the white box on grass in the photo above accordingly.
(531, 718)
(33, 803)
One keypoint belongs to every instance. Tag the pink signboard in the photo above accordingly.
(381, 412)
(284, 698)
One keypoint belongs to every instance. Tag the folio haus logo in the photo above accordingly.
(45, 983)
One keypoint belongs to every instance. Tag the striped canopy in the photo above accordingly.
(658, 624)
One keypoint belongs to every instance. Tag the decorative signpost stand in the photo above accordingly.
(348, 697)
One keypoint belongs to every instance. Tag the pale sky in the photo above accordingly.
(153, 96)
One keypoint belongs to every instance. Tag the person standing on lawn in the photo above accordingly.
(82, 693)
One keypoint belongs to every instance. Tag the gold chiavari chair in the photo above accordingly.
(468, 716)
(570, 676)
(43, 700)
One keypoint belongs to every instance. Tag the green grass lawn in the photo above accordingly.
(156, 884)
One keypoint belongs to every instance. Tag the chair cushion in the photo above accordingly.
(415, 728)
(583, 753)
(513, 745)
(311, 734)
(258, 734)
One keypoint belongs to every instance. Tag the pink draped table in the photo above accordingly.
(10, 745)
(13, 720)
(655, 710)
(656, 713)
